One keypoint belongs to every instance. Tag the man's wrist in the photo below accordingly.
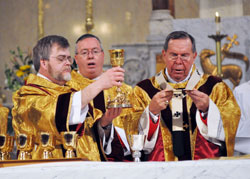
(107, 127)
(204, 114)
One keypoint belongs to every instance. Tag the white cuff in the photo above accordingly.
(144, 129)
(214, 130)
(154, 117)
(77, 115)
(106, 145)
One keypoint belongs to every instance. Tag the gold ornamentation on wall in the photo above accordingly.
(40, 19)
(89, 16)
(230, 71)
(2, 97)
(160, 64)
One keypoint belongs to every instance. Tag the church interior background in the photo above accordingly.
(138, 26)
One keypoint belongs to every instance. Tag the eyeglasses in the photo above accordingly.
(183, 57)
(94, 52)
(64, 58)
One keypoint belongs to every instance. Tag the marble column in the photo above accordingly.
(160, 24)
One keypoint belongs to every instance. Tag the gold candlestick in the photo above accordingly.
(218, 37)
(89, 16)
(40, 19)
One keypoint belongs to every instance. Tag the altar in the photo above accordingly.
(226, 168)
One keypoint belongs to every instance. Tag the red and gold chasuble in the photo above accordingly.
(191, 144)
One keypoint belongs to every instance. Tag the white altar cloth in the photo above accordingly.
(204, 169)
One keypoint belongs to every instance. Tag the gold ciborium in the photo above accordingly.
(69, 140)
(121, 98)
(47, 144)
(25, 144)
(6, 146)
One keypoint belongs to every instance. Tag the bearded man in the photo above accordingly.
(56, 99)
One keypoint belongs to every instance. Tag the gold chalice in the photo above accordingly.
(47, 144)
(69, 140)
(121, 99)
(25, 144)
(6, 146)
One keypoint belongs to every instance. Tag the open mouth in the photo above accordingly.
(91, 64)
(178, 70)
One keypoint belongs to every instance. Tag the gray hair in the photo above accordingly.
(179, 35)
(43, 48)
(86, 36)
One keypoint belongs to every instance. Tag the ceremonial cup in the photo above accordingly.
(136, 143)
(25, 144)
(47, 144)
(121, 98)
(6, 146)
(69, 140)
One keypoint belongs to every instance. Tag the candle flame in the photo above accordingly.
(217, 14)
(217, 17)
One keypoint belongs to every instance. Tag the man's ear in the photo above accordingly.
(163, 52)
(76, 59)
(43, 63)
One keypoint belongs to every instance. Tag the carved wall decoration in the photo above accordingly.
(135, 71)
(230, 71)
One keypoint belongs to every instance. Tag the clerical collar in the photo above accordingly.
(173, 81)
(96, 78)
(42, 76)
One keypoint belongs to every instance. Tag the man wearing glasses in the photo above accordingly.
(188, 115)
(56, 99)
(113, 128)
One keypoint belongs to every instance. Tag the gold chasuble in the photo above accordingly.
(195, 145)
(3, 119)
(43, 106)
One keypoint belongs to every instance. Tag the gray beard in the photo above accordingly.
(60, 77)
(67, 77)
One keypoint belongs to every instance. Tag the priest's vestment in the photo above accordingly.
(124, 124)
(197, 140)
(3, 119)
(43, 106)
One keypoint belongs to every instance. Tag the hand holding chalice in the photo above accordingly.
(69, 140)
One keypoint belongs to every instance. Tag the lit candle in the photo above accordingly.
(217, 22)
